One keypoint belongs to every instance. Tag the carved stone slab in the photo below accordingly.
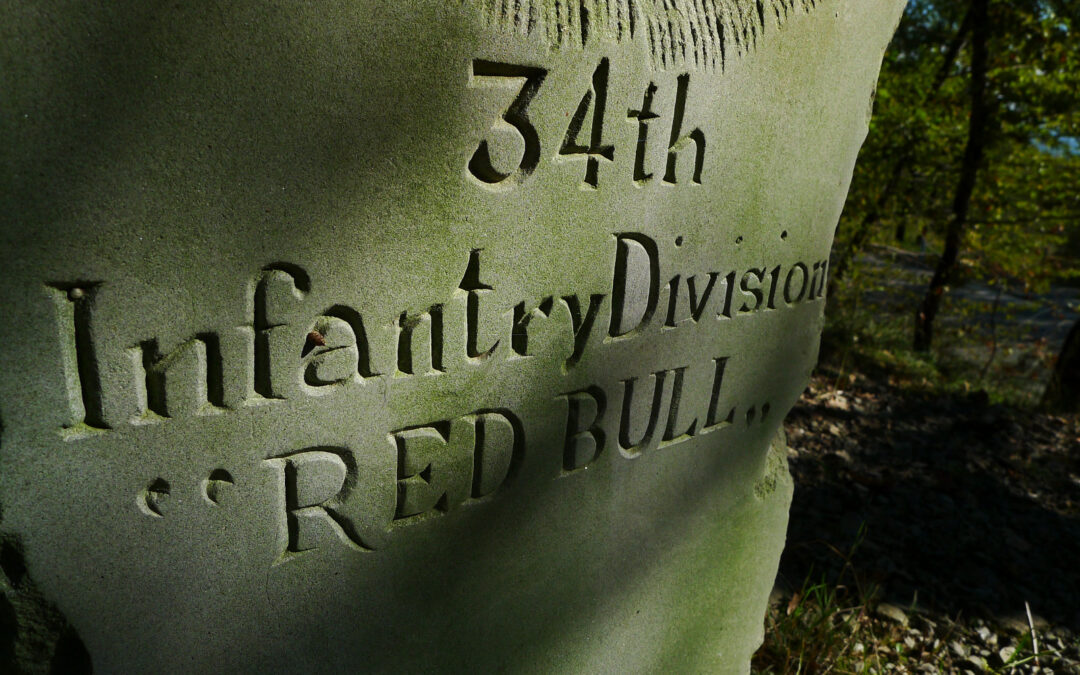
(398, 336)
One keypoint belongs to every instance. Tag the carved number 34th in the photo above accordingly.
(593, 149)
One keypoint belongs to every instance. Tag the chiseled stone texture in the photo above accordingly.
(397, 336)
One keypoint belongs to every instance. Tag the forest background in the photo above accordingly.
(936, 454)
(970, 176)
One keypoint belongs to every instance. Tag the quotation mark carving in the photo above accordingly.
(153, 498)
(212, 486)
(752, 413)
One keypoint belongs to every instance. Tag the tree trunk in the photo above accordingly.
(858, 238)
(1063, 391)
(969, 170)
(903, 160)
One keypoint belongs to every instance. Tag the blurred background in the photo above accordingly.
(936, 453)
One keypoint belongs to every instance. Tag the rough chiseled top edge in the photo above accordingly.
(706, 34)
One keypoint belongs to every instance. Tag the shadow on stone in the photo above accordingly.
(34, 636)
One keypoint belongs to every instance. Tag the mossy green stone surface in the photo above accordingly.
(411, 336)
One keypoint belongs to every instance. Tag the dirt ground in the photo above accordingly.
(961, 514)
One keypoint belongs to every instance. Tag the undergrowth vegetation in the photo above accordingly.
(842, 627)
(995, 341)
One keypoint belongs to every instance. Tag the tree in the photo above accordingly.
(973, 145)
(1063, 391)
(902, 158)
(969, 171)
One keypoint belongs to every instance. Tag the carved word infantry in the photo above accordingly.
(292, 354)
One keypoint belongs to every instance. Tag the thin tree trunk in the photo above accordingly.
(903, 160)
(872, 217)
(969, 170)
(1063, 391)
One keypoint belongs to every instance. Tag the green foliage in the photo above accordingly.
(824, 628)
(840, 627)
(868, 331)
(818, 632)
(1025, 211)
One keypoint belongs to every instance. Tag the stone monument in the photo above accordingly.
(408, 336)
